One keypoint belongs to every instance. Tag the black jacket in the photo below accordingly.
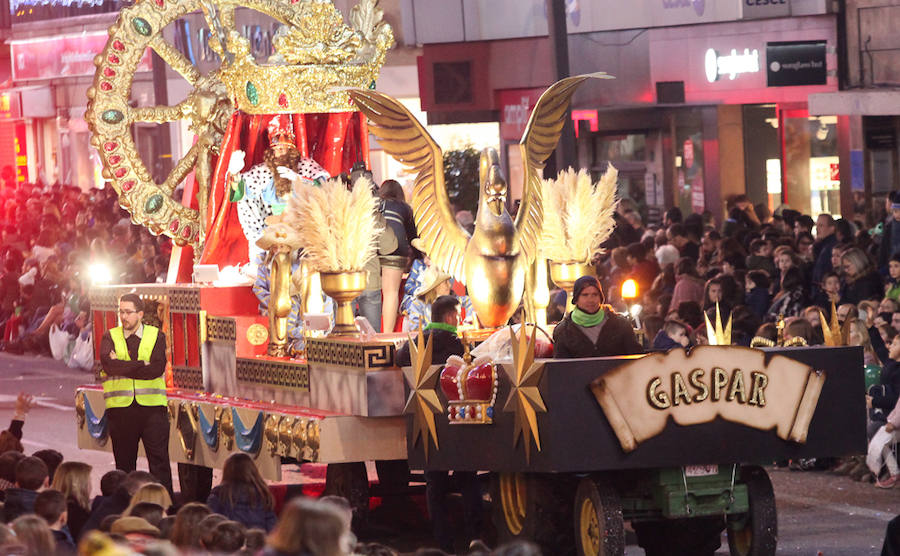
(822, 251)
(445, 344)
(18, 502)
(864, 287)
(885, 394)
(616, 338)
(115, 504)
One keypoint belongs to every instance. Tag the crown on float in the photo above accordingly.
(718, 336)
(471, 390)
(315, 54)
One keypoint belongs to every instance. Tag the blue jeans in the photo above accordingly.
(369, 305)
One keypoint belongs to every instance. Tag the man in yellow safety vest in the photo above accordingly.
(133, 361)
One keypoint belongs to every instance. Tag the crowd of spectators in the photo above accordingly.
(775, 276)
(56, 242)
(47, 507)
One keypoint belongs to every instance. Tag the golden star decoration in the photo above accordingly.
(524, 395)
(423, 400)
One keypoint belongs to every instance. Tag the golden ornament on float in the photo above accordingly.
(339, 237)
(493, 260)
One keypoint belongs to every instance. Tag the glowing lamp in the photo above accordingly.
(100, 273)
(629, 289)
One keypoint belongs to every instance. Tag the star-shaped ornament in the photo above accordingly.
(524, 395)
(423, 400)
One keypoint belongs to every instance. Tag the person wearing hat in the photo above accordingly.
(592, 329)
(434, 283)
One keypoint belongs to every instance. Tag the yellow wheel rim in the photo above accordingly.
(589, 528)
(513, 499)
(742, 539)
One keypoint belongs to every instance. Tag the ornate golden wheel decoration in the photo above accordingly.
(315, 52)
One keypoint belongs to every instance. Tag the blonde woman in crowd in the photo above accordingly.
(73, 479)
(154, 493)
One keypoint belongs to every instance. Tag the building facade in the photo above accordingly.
(710, 99)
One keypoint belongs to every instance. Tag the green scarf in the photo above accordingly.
(441, 326)
(587, 320)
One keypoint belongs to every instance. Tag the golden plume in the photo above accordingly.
(337, 226)
(578, 215)
(718, 336)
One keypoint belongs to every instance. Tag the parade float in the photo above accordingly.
(575, 447)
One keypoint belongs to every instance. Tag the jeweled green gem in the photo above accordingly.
(252, 94)
(153, 203)
(112, 116)
(141, 26)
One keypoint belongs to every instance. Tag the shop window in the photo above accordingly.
(811, 165)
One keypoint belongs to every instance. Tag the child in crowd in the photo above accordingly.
(881, 450)
(892, 285)
(31, 476)
(674, 334)
(51, 505)
(829, 292)
(757, 287)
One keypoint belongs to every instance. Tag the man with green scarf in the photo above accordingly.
(592, 329)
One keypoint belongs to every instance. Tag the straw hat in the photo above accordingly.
(431, 278)
(130, 524)
(417, 243)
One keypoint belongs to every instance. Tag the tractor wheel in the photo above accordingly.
(756, 532)
(599, 525)
(536, 507)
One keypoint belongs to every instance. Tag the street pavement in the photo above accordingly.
(818, 512)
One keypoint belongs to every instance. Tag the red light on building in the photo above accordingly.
(589, 116)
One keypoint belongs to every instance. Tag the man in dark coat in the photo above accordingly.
(592, 329)
(442, 331)
(822, 248)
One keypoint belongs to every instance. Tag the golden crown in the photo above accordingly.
(316, 55)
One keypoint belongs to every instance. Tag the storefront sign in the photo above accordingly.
(796, 63)
(725, 62)
(758, 9)
(515, 109)
(729, 382)
(61, 56)
(730, 65)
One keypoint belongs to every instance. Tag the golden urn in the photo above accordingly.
(564, 274)
(343, 287)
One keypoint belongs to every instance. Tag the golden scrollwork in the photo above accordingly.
(299, 436)
(270, 432)
(226, 430)
(285, 435)
(79, 409)
(311, 450)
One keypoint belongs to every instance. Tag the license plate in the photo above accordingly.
(700, 470)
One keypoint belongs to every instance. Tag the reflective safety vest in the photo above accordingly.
(120, 391)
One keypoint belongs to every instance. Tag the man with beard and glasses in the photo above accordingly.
(263, 190)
